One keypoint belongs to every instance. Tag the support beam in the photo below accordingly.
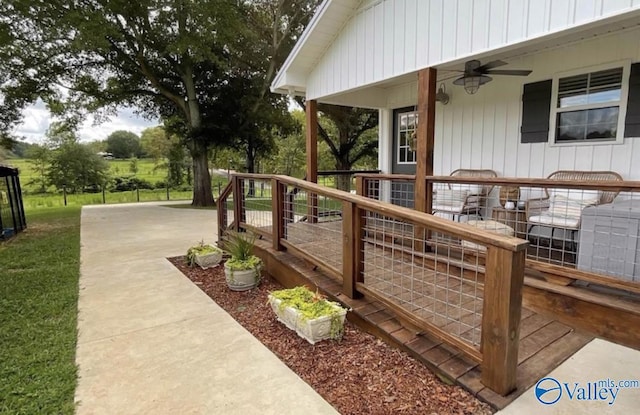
(425, 136)
(312, 157)
(312, 140)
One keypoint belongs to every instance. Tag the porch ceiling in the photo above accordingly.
(374, 95)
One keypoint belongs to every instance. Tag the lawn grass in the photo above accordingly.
(39, 271)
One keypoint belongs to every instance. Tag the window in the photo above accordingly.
(589, 107)
(407, 122)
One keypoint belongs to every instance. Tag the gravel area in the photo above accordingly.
(357, 375)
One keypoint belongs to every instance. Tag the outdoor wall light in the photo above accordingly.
(441, 95)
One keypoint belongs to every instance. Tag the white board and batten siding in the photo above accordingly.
(389, 38)
(482, 131)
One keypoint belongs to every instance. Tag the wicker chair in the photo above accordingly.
(464, 199)
(541, 212)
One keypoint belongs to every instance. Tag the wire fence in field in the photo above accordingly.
(41, 200)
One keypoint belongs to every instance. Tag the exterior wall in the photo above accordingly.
(483, 130)
(412, 34)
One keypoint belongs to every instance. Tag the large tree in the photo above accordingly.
(275, 26)
(164, 57)
(72, 165)
(123, 144)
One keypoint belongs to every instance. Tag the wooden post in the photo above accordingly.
(501, 314)
(424, 149)
(312, 157)
(237, 202)
(361, 186)
(277, 209)
(425, 135)
(352, 249)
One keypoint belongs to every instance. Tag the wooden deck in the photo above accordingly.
(544, 342)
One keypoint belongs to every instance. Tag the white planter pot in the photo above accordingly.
(313, 330)
(208, 260)
(242, 280)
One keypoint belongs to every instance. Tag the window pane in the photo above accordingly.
(572, 98)
(570, 118)
(571, 133)
(604, 95)
(403, 122)
(411, 123)
(607, 115)
(607, 77)
(403, 139)
(573, 83)
(596, 131)
(403, 154)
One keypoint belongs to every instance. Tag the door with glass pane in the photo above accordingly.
(405, 122)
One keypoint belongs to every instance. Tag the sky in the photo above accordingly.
(37, 119)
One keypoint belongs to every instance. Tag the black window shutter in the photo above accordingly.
(632, 120)
(536, 108)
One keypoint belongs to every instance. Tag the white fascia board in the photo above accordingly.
(290, 82)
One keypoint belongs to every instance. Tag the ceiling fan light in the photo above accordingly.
(472, 83)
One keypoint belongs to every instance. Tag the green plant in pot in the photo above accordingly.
(204, 255)
(242, 270)
(309, 314)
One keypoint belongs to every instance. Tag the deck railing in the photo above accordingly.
(341, 179)
(578, 230)
(384, 251)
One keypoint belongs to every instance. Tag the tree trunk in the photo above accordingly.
(343, 181)
(251, 167)
(202, 193)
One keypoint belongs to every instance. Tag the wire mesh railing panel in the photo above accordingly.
(227, 211)
(442, 287)
(594, 236)
(313, 224)
(397, 192)
(584, 225)
(256, 204)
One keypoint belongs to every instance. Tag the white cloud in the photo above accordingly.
(37, 120)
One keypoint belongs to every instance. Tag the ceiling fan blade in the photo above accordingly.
(491, 65)
(515, 72)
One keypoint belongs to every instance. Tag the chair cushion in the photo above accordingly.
(472, 189)
(450, 200)
(565, 212)
(555, 221)
(577, 194)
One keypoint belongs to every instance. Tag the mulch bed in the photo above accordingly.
(357, 375)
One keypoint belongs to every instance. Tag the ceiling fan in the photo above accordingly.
(476, 74)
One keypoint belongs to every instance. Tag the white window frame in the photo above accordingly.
(397, 135)
(622, 104)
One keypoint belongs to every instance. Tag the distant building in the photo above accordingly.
(105, 155)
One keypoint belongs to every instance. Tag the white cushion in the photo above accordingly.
(555, 221)
(450, 200)
(577, 194)
(565, 212)
(488, 225)
(472, 189)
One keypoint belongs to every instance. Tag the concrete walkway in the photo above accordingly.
(599, 360)
(150, 342)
